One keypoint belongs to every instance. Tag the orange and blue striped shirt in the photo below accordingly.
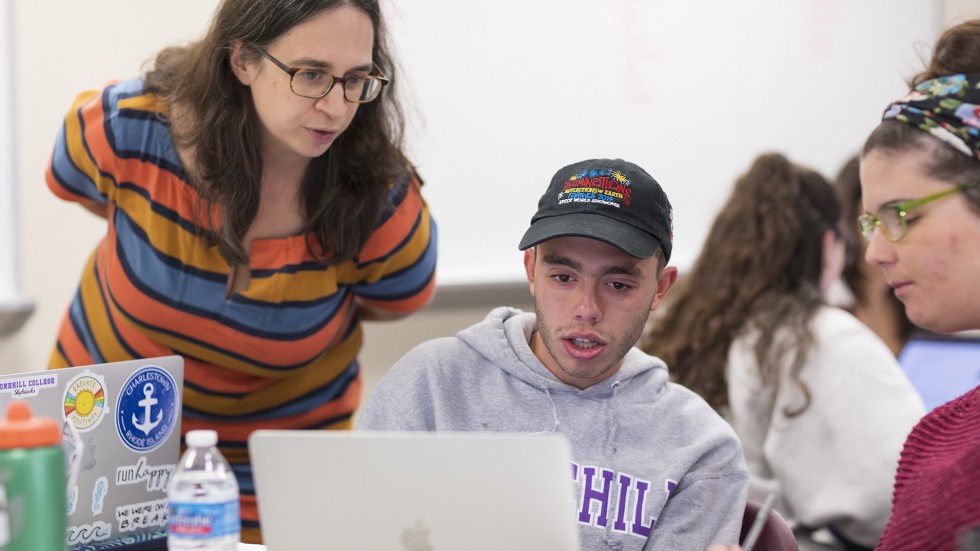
(281, 354)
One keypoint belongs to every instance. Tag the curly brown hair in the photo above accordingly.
(759, 271)
(344, 189)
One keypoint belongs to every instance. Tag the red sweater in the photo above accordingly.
(937, 488)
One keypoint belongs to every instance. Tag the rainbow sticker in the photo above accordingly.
(85, 401)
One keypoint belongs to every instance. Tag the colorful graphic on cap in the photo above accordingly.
(602, 186)
(146, 411)
(85, 399)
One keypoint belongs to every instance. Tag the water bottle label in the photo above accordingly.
(204, 520)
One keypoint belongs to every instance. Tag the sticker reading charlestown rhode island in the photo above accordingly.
(85, 399)
(146, 411)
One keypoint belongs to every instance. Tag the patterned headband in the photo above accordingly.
(946, 107)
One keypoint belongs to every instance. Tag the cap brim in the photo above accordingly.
(632, 241)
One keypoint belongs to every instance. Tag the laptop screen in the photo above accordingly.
(124, 417)
(942, 367)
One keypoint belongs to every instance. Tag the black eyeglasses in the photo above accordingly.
(315, 84)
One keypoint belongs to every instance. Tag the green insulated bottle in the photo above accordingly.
(32, 482)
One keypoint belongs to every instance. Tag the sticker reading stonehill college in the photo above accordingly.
(146, 411)
(85, 400)
(26, 387)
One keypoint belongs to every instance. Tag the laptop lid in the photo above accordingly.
(413, 491)
(124, 417)
(941, 367)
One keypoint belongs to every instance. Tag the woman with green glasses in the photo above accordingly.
(258, 206)
(920, 172)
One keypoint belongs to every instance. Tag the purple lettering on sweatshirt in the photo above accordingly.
(625, 481)
(632, 497)
(599, 495)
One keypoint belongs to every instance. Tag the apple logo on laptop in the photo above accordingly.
(416, 538)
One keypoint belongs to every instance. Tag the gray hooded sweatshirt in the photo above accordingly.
(654, 466)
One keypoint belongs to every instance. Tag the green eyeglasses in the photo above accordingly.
(891, 218)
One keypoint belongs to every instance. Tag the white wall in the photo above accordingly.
(9, 283)
(62, 48)
(690, 97)
(959, 10)
(14, 307)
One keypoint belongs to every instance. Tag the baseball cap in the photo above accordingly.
(611, 200)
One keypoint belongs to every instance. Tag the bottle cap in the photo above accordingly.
(201, 438)
(20, 430)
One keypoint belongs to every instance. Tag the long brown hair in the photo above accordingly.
(957, 51)
(344, 189)
(759, 270)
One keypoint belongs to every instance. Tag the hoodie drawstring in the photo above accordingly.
(612, 540)
(554, 411)
(614, 444)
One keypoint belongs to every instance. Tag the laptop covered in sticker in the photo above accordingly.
(121, 430)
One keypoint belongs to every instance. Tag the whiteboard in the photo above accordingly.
(9, 254)
(501, 94)
(505, 93)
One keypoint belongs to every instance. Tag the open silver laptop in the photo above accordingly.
(121, 428)
(413, 491)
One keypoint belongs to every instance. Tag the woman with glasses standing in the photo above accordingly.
(818, 401)
(920, 172)
(259, 205)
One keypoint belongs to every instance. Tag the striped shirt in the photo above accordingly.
(281, 354)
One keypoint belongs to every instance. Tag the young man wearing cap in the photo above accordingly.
(655, 466)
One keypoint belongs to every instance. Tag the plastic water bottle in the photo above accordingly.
(203, 498)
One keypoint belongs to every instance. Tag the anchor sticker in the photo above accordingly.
(147, 404)
(148, 409)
